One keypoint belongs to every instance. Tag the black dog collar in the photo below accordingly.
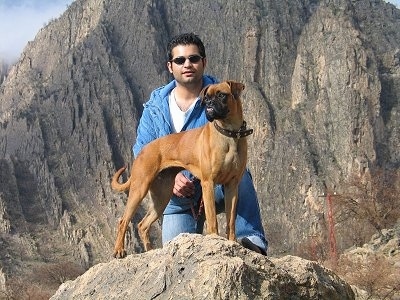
(242, 132)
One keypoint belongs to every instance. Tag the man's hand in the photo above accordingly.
(183, 187)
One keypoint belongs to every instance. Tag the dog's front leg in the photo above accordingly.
(209, 207)
(231, 199)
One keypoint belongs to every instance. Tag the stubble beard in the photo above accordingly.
(191, 81)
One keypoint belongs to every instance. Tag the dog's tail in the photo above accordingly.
(116, 186)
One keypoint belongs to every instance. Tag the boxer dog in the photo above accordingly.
(215, 153)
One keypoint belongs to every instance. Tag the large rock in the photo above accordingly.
(206, 267)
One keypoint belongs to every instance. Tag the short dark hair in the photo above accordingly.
(185, 39)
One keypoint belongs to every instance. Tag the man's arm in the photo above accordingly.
(145, 132)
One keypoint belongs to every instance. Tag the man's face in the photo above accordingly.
(192, 68)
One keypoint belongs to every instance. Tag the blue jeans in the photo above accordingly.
(180, 214)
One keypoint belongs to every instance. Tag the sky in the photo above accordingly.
(395, 3)
(20, 21)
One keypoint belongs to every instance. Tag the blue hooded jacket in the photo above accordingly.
(156, 118)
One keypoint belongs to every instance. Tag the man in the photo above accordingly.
(176, 107)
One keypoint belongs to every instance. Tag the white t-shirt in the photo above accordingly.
(178, 117)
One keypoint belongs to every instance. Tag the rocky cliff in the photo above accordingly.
(322, 94)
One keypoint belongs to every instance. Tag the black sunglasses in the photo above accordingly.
(180, 60)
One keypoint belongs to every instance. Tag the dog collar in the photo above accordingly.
(242, 132)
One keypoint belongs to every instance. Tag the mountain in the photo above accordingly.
(322, 95)
(3, 70)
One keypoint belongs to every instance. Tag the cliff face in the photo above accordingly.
(322, 94)
(3, 70)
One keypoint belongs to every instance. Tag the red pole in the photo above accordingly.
(332, 237)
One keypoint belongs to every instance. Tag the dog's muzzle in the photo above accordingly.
(216, 108)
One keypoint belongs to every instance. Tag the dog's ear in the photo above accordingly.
(204, 92)
(236, 88)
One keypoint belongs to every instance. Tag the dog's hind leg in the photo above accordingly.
(160, 193)
(144, 226)
(136, 194)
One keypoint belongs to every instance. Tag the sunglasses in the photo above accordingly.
(180, 60)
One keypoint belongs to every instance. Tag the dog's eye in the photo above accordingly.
(221, 96)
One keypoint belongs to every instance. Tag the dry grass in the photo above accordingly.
(374, 273)
(42, 282)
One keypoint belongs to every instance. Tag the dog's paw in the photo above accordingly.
(121, 253)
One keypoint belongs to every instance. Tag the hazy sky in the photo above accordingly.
(395, 2)
(20, 20)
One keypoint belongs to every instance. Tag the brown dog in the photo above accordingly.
(215, 153)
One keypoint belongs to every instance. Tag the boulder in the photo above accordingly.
(194, 266)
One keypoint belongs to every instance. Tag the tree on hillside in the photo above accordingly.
(371, 198)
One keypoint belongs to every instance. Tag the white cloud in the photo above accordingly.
(21, 20)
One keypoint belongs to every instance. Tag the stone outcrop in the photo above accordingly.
(205, 267)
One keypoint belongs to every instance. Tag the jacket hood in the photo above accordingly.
(158, 95)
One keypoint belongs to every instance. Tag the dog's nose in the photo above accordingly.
(208, 100)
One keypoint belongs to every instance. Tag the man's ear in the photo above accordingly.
(204, 62)
(203, 93)
(236, 88)
(169, 66)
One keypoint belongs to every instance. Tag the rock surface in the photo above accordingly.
(206, 267)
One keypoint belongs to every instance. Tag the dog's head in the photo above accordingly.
(221, 98)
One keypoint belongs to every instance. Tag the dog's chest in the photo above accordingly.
(232, 157)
